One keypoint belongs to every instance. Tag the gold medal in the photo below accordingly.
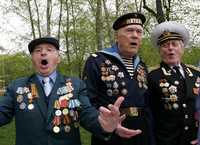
(34, 91)
(56, 104)
(173, 98)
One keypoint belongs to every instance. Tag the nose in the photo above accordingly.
(134, 34)
(170, 46)
(43, 52)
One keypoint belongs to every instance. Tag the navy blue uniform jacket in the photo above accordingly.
(107, 78)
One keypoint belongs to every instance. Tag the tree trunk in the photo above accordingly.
(38, 18)
(67, 32)
(60, 19)
(99, 35)
(31, 19)
(160, 14)
(74, 29)
(48, 15)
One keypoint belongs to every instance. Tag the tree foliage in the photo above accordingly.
(85, 26)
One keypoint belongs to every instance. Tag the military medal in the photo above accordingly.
(115, 92)
(34, 91)
(26, 90)
(56, 129)
(112, 77)
(123, 83)
(175, 106)
(20, 90)
(176, 82)
(172, 89)
(109, 92)
(56, 104)
(29, 95)
(20, 98)
(22, 106)
(124, 92)
(66, 119)
(114, 67)
(65, 111)
(120, 74)
(58, 112)
(65, 108)
(67, 128)
(30, 106)
(107, 62)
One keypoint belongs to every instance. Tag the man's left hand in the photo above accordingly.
(109, 118)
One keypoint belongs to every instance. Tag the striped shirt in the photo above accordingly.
(128, 62)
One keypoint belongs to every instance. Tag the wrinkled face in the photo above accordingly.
(172, 51)
(45, 58)
(129, 40)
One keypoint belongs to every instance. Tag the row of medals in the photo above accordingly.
(108, 71)
(31, 94)
(108, 75)
(170, 94)
(66, 109)
(170, 91)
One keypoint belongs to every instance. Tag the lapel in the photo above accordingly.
(189, 81)
(171, 77)
(168, 73)
(60, 82)
(40, 101)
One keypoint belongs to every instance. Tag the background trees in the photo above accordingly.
(85, 26)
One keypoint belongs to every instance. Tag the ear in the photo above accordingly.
(115, 35)
(59, 59)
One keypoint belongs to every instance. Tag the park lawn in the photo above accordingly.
(7, 135)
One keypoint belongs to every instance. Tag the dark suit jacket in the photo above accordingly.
(173, 104)
(35, 127)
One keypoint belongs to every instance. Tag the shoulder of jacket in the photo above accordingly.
(193, 67)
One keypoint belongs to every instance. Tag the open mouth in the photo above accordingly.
(133, 44)
(44, 62)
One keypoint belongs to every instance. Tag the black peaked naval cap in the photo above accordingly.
(128, 19)
(49, 40)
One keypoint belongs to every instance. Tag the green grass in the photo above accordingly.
(7, 135)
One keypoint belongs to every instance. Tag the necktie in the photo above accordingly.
(176, 68)
(47, 86)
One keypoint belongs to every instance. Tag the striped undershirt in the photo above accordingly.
(128, 62)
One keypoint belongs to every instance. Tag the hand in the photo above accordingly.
(110, 118)
(194, 142)
(125, 132)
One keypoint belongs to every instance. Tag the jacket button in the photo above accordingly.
(184, 105)
(186, 127)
